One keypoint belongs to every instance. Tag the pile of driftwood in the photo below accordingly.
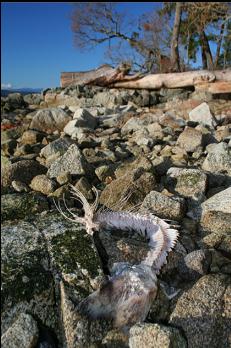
(218, 81)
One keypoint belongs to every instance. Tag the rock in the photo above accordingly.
(23, 333)
(105, 171)
(78, 330)
(27, 284)
(122, 246)
(218, 159)
(22, 205)
(8, 147)
(141, 138)
(16, 100)
(50, 120)
(202, 114)
(23, 171)
(133, 164)
(190, 139)
(163, 206)
(57, 147)
(155, 335)
(203, 312)
(222, 132)
(129, 189)
(72, 253)
(189, 183)
(109, 121)
(161, 164)
(20, 186)
(31, 137)
(168, 120)
(195, 264)
(33, 98)
(107, 99)
(71, 129)
(84, 186)
(43, 184)
(215, 212)
(132, 125)
(85, 119)
(72, 162)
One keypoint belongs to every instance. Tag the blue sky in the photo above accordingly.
(37, 43)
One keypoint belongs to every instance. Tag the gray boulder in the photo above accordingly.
(27, 284)
(195, 264)
(23, 333)
(190, 139)
(23, 171)
(50, 120)
(85, 119)
(202, 114)
(16, 101)
(215, 212)
(218, 159)
(155, 335)
(203, 312)
(57, 147)
(189, 183)
(163, 206)
(43, 184)
(72, 162)
(33, 98)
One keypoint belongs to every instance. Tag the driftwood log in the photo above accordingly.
(212, 81)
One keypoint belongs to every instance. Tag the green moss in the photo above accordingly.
(75, 248)
(20, 205)
(24, 277)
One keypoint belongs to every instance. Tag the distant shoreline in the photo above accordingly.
(23, 91)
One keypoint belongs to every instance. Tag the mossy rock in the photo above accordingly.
(27, 283)
(72, 252)
(22, 205)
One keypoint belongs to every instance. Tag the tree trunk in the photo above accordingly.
(176, 80)
(175, 59)
(219, 44)
(206, 52)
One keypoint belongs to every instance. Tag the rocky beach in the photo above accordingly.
(166, 152)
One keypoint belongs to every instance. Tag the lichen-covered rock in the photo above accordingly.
(22, 205)
(72, 162)
(50, 120)
(190, 139)
(57, 147)
(23, 333)
(203, 312)
(195, 264)
(218, 159)
(72, 252)
(27, 283)
(155, 335)
(163, 206)
(43, 184)
(215, 213)
(189, 183)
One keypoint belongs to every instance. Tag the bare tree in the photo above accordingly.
(175, 59)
